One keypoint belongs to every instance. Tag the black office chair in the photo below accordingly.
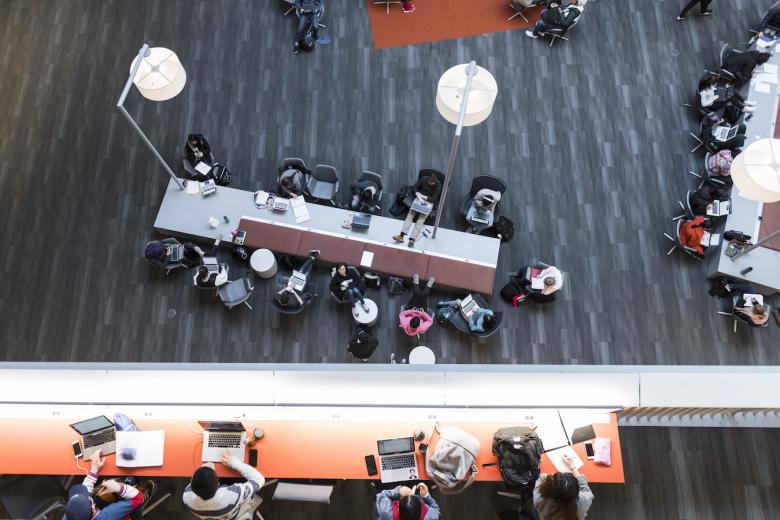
(189, 169)
(457, 323)
(482, 182)
(366, 175)
(686, 208)
(323, 184)
(35, 497)
(236, 292)
(519, 7)
(741, 317)
(295, 162)
(355, 274)
(162, 264)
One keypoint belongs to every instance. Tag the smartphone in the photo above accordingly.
(253, 458)
(77, 453)
(589, 453)
(371, 465)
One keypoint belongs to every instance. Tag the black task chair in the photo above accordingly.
(163, 264)
(236, 292)
(686, 208)
(427, 172)
(323, 184)
(741, 317)
(355, 274)
(482, 182)
(34, 497)
(375, 207)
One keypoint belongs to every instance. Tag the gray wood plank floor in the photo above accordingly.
(589, 136)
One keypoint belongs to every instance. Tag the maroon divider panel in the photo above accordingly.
(333, 249)
(461, 274)
(397, 261)
(279, 239)
(770, 222)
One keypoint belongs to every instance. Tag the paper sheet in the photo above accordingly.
(146, 448)
(770, 68)
(367, 259)
(550, 429)
(300, 210)
(261, 198)
(765, 78)
(763, 87)
(556, 457)
(203, 168)
(193, 187)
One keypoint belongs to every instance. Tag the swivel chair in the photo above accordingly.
(376, 179)
(323, 184)
(236, 292)
(481, 182)
(676, 244)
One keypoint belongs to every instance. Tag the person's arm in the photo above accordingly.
(335, 285)
(129, 499)
(383, 504)
(254, 479)
(433, 508)
(585, 498)
(92, 476)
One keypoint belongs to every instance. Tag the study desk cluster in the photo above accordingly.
(457, 260)
(754, 218)
(289, 450)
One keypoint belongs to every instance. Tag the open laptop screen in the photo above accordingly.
(224, 426)
(392, 446)
(92, 425)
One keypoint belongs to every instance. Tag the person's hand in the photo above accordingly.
(112, 486)
(227, 459)
(423, 489)
(344, 285)
(97, 462)
(404, 491)
(569, 461)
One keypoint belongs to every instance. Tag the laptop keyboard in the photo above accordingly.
(398, 461)
(99, 438)
(224, 440)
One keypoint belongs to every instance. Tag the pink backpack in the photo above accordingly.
(720, 163)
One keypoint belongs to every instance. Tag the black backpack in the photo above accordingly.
(511, 289)
(504, 227)
(221, 174)
(519, 450)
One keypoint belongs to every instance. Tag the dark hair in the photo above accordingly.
(432, 180)
(284, 298)
(203, 270)
(415, 322)
(192, 137)
(286, 181)
(338, 266)
(763, 57)
(563, 489)
(155, 250)
(409, 508)
(205, 482)
(488, 321)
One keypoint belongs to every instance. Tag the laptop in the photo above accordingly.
(210, 262)
(724, 133)
(468, 306)
(280, 204)
(361, 220)
(97, 433)
(177, 252)
(298, 280)
(424, 208)
(220, 436)
(480, 216)
(397, 460)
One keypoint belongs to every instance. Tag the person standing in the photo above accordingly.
(704, 5)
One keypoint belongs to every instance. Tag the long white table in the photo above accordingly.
(745, 213)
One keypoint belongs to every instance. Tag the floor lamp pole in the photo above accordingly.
(120, 105)
(757, 244)
(471, 71)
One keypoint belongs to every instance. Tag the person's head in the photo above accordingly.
(284, 299)
(155, 250)
(432, 181)
(563, 489)
(369, 193)
(488, 321)
(414, 322)
(763, 57)
(192, 139)
(205, 482)
(286, 182)
(759, 311)
(549, 281)
(409, 508)
(342, 269)
(488, 200)
(706, 224)
(80, 505)
(203, 272)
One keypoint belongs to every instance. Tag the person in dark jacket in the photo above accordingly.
(741, 64)
(309, 12)
(362, 344)
(771, 19)
(347, 285)
(427, 191)
(292, 182)
(557, 17)
(197, 149)
(710, 124)
(703, 197)
(364, 196)
(704, 5)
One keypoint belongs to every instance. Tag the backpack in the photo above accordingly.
(720, 163)
(372, 280)
(452, 463)
(504, 227)
(511, 290)
(221, 174)
(307, 43)
(519, 451)
(721, 287)
(395, 285)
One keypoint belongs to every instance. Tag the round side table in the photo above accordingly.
(366, 318)
(422, 356)
(263, 263)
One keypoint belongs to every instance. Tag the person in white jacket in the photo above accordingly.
(207, 499)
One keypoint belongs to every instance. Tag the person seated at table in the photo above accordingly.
(81, 504)
(482, 210)
(206, 278)
(197, 149)
(162, 252)
(563, 495)
(715, 94)
(704, 196)
(692, 231)
(403, 503)
(208, 500)
(711, 125)
(539, 283)
(742, 64)
(364, 195)
(292, 182)
(309, 12)
(426, 191)
(749, 310)
(362, 344)
(347, 285)
(559, 18)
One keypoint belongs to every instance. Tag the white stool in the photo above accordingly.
(263, 263)
(366, 318)
(422, 356)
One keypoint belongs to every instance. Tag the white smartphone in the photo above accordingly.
(77, 453)
(589, 453)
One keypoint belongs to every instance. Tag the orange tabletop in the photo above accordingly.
(290, 449)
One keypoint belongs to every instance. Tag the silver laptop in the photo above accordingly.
(397, 460)
(468, 306)
(220, 436)
(280, 204)
(423, 208)
(97, 433)
(298, 280)
(724, 133)
(480, 216)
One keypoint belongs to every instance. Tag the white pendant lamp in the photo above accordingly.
(160, 75)
(450, 94)
(756, 171)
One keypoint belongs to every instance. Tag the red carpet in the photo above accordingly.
(435, 20)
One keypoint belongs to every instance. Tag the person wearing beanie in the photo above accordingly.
(208, 500)
(81, 505)
(403, 503)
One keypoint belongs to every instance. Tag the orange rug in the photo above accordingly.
(435, 20)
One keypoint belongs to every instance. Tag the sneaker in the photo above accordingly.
(355, 312)
(407, 7)
(148, 489)
(530, 34)
(314, 253)
(706, 13)
(392, 358)
(410, 243)
(296, 50)
(431, 281)
(750, 103)
(680, 18)
(364, 305)
(399, 237)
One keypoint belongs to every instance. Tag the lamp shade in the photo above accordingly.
(160, 75)
(756, 171)
(450, 95)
